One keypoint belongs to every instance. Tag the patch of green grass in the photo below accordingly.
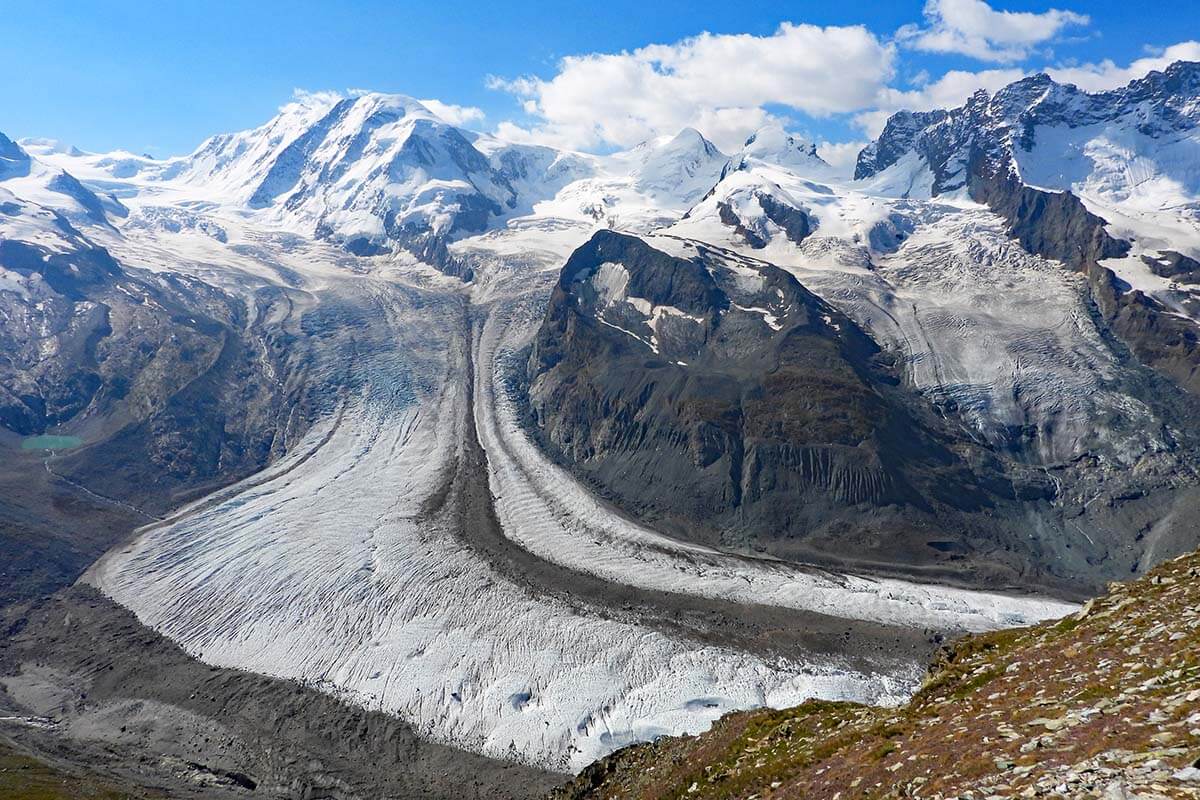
(883, 751)
(25, 778)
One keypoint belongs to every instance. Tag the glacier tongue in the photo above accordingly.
(333, 567)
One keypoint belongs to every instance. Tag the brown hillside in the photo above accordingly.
(1103, 704)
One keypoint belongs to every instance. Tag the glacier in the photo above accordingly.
(354, 565)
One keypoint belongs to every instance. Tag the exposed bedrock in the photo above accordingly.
(1056, 225)
(719, 399)
(794, 222)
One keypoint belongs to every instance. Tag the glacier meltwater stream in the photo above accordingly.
(349, 564)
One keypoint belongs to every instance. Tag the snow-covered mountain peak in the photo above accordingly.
(681, 167)
(249, 166)
(689, 140)
(373, 172)
(773, 145)
(36, 182)
(1032, 113)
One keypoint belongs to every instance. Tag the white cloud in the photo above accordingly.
(719, 84)
(1107, 75)
(455, 115)
(728, 86)
(313, 99)
(842, 156)
(973, 28)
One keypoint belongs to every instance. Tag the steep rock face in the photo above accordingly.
(899, 137)
(1057, 225)
(988, 145)
(167, 383)
(1162, 340)
(1053, 225)
(756, 213)
(716, 396)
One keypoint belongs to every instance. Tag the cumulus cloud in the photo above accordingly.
(842, 156)
(1108, 75)
(720, 84)
(455, 115)
(975, 29)
(728, 86)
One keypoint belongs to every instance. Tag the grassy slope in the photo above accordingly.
(1108, 698)
(25, 778)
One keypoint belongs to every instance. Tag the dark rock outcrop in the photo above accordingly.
(796, 224)
(975, 147)
(719, 399)
(1176, 266)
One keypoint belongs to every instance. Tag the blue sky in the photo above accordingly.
(159, 77)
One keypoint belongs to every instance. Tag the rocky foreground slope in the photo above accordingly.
(1104, 703)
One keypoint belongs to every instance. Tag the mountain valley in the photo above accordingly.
(359, 451)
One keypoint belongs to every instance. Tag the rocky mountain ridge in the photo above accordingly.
(906, 254)
(1007, 151)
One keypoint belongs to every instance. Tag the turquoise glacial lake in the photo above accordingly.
(50, 442)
